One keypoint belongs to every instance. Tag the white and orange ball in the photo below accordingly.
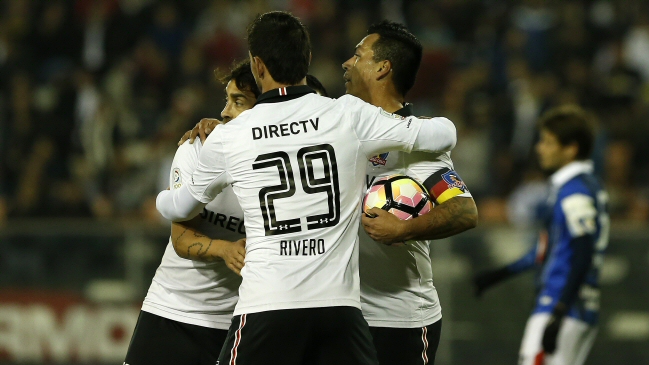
(400, 195)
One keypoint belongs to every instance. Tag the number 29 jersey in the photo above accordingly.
(296, 162)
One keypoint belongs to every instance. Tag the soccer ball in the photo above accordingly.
(400, 195)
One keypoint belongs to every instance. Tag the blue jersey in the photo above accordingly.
(569, 252)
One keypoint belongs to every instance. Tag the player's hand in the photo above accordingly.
(383, 227)
(485, 279)
(550, 334)
(234, 253)
(202, 129)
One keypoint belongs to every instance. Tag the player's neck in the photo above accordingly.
(268, 84)
(389, 103)
(385, 96)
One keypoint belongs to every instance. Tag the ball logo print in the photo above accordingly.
(400, 195)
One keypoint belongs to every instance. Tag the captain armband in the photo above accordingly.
(444, 185)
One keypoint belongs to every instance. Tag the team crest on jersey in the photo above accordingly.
(454, 181)
(177, 180)
(381, 159)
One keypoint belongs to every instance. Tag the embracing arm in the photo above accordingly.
(178, 205)
(206, 181)
(436, 135)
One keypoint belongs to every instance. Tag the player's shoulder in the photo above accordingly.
(583, 184)
(348, 100)
(188, 150)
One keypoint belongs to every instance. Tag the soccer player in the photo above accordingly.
(398, 298)
(569, 252)
(296, 162)
(188, 309)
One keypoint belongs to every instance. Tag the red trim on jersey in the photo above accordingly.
(542, 247)
(424, 356)
(539, 359)
(237, 341)
(282, 91)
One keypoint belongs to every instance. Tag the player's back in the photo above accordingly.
(298, 169)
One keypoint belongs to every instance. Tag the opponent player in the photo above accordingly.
(188, 309)
(569, 252)
(296, 163)
(398, 298)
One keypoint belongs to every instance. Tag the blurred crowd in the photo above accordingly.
(94, 94)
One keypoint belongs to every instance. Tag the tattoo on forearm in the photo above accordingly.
(454, 216)
(177, 239)
(200, 252)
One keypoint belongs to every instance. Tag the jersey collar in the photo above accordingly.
(569, 171)
(406, 111)
(284, 94)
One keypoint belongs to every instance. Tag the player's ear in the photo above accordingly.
(259, 66)
(383, 69)
(571, 151)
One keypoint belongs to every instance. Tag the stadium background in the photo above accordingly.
(94, 95)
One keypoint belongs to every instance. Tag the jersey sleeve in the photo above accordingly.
(210, 176)
(524, 263)
(440, 179)
(379, 131)
(580, 214)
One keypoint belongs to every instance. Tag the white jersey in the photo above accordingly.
(194, 292)
(397, 281)
(296, 162)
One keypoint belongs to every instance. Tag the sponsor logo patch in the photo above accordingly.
(177, 180)
(381, 159)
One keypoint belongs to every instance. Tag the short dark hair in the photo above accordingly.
(283, 43)
(571, 124)
(316, 85)
(397, 45)
(242, 75)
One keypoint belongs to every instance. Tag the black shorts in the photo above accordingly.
(407, 346)
(306, 336)
(161, 341)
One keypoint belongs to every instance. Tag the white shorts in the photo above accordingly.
(574, 342)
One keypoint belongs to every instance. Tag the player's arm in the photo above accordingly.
(379, 131)
(202, 129)
(486, 279)
(190, 244)
(580, 214)
(455, 216)
(207, 181)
